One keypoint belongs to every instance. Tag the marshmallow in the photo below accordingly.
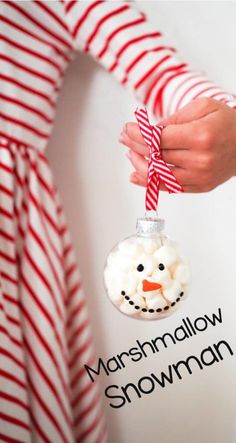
(182, 273)
(162, 277)
(166, 241)
(111, 259)
(127, 309)
(147, 294)
(173, 292)
(149, 264)
(166, 255)
(150, 315)
(122, 282)
(156, 302)
(150, 245)
(111, 282)
(128, 284)
(130, 248)
(139, 301)
(120, 263)
(116, 297)
(123, 245)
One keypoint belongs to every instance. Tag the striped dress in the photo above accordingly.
(46, 395)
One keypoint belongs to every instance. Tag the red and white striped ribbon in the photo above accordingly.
(157, 168)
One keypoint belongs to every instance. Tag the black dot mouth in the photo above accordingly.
(152, 311)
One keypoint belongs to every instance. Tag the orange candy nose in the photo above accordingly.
(150, 286)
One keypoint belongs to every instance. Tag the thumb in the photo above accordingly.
(194, 110)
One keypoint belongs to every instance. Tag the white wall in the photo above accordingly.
(92, 172)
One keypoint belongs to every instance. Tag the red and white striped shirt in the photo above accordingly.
(45, 336)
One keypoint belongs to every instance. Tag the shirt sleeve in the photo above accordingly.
(118, 36)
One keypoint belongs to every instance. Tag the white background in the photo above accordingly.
(92, 173)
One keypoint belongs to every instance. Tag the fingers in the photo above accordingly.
(133, 131)
(178, 136)
(182, 175)
(139, 176)
(137, 179)
(194, 110)
(181, 158)
(178, 157)
(181, 129)
(172, 137)
(140, 165)
(140, 148)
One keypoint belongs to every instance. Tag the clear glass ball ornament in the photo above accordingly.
(145, 276)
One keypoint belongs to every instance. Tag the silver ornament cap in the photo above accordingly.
(149, 225)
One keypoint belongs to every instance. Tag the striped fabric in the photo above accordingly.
(135, 52)
(46, 396)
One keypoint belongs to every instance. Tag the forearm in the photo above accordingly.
(133, 50)
(164, 82)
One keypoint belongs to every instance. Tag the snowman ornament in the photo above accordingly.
(145, 276)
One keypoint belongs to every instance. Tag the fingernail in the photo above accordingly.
(128, 154)
(133, 179)
(125, 128)
(121, 138)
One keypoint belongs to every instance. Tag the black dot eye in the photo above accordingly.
(140, 268)
(161, 267)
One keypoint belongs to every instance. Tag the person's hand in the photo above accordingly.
(199, 141)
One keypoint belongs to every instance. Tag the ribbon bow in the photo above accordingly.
(157, 167)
